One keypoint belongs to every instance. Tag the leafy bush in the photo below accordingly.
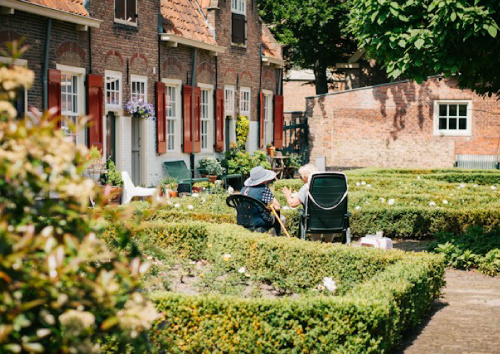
(61, 289)
(211, 166)
(237, 160)
(473, 249)
(113, 177)
(242, 130)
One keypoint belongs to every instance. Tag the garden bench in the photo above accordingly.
(325, 211)
(184, 176)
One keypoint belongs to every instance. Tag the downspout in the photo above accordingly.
(260, 90)
(215, 103)
(90, 50)
(46, 65)
(160, 30)
(193, 82)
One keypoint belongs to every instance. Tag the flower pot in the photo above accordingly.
(271, 150)
(115, 194)
(172, 194)
(211, 178)
(196, 189)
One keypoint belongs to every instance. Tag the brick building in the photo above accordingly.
(202, 63)
(402, 124)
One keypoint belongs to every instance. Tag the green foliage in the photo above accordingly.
(473, 249)
(113, 177)
(294, 161)
(210, 166)
(412, 39)
(94, 153)
(237, 160)
(169, 183)
(242, 130)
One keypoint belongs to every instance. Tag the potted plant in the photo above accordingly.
(140, 109)
(169, 187)
(197, 187)
(270, 149)
(95, 164)
(113, 179)
(210, 167)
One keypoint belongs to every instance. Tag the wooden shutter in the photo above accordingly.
(219, 120)
(197, 120)
(120, 9)
(261, 120)
(131, 10)
(238, 28)
(54, 94)
(95, 96)
(187, 92)
(278, 122)
(161, 119)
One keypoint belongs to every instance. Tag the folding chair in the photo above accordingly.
(246, 210)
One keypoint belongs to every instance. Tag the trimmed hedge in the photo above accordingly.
(382, 293)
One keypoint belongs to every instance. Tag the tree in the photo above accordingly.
(313, 32)
(419, 38)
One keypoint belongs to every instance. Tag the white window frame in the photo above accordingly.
(243, 112)
(125, 22)
(229, 102)
(268, 117)
(80, 75)
(140, 79)
(23, 63)
(177, 84)
(454, 132)
(239, 7)
(113, 75)
(209, 119)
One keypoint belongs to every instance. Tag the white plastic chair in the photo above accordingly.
(130, 191)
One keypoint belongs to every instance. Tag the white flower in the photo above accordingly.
(226, 257)
(357, 207)
(391, 202)
(190, 207)
(462, 185)
(230, 190)
(363, 183)
(452, 194)
(357, 183)
(285, 207)
(329, 283)
(177, 205)
(169, 202)
(321, 287)
(196, 195)
(418, 177)
(242, 270)
(445, 201)
(367, 202)
(203, 200)
(368, 186)
(493, 187)
(432, 204)
(382, 199)
(475, 186)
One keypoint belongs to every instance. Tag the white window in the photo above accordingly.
(205, 119)
(173, 111)
(245, 102)
(126, 12)
(453, 118)
(238, 6)
(139, 88)
(229, 100)
(72, 100)
(268, 118)
(21, 103)
(113, 89)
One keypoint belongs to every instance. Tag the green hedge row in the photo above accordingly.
(382, 295)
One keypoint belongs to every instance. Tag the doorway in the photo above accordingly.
(136, 151)
(111, 137)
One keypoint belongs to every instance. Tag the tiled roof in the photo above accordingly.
(72, 6)
(205, 4)
(184, 18)
(270, 47)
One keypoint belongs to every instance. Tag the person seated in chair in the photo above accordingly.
(256, 186)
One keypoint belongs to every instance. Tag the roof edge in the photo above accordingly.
(49, 12)
(272, 60)
(359, 89)
(167, 37)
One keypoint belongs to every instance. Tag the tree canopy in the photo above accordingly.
(419, 38)
(313, 32)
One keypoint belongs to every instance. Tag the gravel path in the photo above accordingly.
(466, 319)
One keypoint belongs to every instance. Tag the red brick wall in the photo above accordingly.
(392, 126)
(295, 94)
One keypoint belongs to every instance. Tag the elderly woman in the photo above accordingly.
(296, 199)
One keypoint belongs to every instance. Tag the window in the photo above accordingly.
(245, 102)
(126, 12)
(72, 100)
(238, 6)
(139, 88)
(205, 119)
(113, 89)
(238, 22)
(268, 120)
(21, 102)
(452, 118)
(171, 113)
(229, 100)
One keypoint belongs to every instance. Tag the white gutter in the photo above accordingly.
(271, 60)
(175, 39)
(83, 21)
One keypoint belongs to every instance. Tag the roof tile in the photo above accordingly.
(270, 47)
(72, 6)
(184, 18)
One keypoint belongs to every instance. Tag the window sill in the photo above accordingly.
(452, 134)
(236, 45)
(126, 25)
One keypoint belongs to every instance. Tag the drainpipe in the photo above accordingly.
(46, 66)
(260, 90)
(160, 30)
(193, 82)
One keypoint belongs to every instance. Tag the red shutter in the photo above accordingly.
(219, 120)
(197, 120)
(187, 92)
(161, 120)
(262, 116)
(278, 122)
(95, 98)
(54, 94)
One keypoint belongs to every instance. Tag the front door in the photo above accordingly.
(110, 137)
(136, 151)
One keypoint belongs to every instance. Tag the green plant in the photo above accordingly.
(114, 177)
(61, 289)
(169, 183)
(242, 130)
(294, 161)
(210, 166)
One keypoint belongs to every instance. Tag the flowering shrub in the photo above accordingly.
(140, 109)
(242, 130)
(211, 166)
(237, 160)
(61, 288)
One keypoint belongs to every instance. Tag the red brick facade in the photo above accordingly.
(392, 125)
